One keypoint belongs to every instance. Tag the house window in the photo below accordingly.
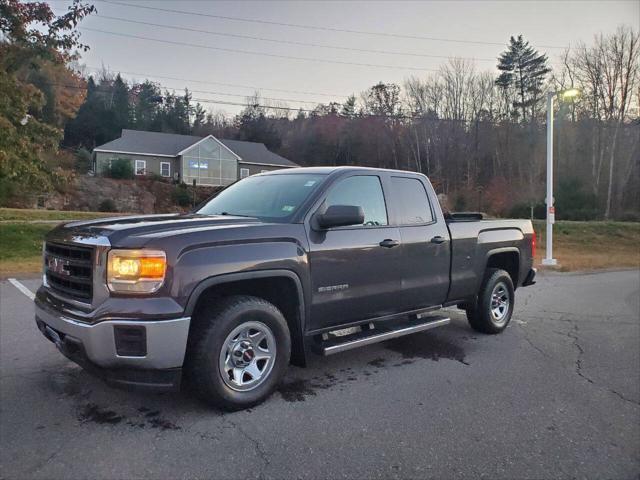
(165, 169)
(209, 163)
(244, 172)
(141, 167)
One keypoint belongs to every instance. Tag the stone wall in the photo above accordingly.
(87, 193)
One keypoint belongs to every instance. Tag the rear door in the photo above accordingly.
(353, 276)
(425, 251)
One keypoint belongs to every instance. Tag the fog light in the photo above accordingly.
(131, 341)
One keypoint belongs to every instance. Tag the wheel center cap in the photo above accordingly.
(248, 355)
(243, 354)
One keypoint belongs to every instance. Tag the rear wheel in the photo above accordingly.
(494, 306)
(239, 352)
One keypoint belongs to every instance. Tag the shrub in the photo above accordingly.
(7, 191)
(523, 210)
(83, 160)
(573, 203)
(60, 159)
(496, 197)
(582, 214)
(181, 196)
(629, 216)
(460, 205)
(107, 205)
(120, 168)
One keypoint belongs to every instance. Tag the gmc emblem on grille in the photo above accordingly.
(58, 265)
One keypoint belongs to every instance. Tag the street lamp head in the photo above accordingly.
(571, 93)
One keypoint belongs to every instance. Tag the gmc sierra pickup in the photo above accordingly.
(274, 267)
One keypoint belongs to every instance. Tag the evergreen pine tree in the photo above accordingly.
(121, 107)
(199, 117)
(84, 130)
(185, 112)
(524, 70)
(146, 110)
(349, 106)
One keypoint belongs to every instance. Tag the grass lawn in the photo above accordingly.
(21, 242)
(21, 247)
(577, 245)
(25, 214)
(592, 245)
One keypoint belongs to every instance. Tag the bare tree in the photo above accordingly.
(609, 74)
(458, 77)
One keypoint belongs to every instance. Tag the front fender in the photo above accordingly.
(203, 264)
(250, 275)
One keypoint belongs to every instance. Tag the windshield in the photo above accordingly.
(268, 197)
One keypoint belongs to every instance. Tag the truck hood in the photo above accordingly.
(144, 227)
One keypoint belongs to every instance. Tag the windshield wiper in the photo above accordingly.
(233, 214)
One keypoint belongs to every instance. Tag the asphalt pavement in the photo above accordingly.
(557, 395)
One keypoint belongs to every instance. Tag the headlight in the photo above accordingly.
(136, 271)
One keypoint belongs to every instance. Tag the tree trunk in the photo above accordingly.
(594, 145)
(628, 171)
(418, 159)
(522, 106)
(607, 213)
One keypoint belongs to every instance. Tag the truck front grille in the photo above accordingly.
(69, 270)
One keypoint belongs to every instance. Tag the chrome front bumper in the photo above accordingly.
(166, 340)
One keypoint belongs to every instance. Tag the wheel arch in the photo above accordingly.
(281, 287)
(508, 259)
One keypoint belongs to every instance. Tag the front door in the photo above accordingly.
(354, 269)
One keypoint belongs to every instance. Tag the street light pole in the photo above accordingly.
(551, 212)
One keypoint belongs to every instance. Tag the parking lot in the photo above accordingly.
(556, 396)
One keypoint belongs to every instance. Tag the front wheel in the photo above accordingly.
(494, 306)
(239, 352)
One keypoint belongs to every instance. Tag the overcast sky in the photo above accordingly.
(489, 23)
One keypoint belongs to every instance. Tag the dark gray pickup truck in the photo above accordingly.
(275, 267)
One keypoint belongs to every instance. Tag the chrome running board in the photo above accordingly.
(380, 333)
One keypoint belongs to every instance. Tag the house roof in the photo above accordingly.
(258, 153)
(151, 143)
(171, 144)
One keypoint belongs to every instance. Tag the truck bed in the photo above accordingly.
(473, 241)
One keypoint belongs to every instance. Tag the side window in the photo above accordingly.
(363, 191)
(141, 167)
(244, 172)
(413, 201)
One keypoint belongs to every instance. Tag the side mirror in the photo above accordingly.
(340, 216)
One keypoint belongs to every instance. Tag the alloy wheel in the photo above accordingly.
(247, 356)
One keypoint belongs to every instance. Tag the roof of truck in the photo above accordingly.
(342, 168)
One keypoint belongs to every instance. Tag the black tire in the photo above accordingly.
(207, 338)
(480, 315)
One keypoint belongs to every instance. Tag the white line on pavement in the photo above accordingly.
(22, 288)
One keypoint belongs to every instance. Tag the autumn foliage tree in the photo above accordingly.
(38, 92)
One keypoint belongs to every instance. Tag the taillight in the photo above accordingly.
(533, 245)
